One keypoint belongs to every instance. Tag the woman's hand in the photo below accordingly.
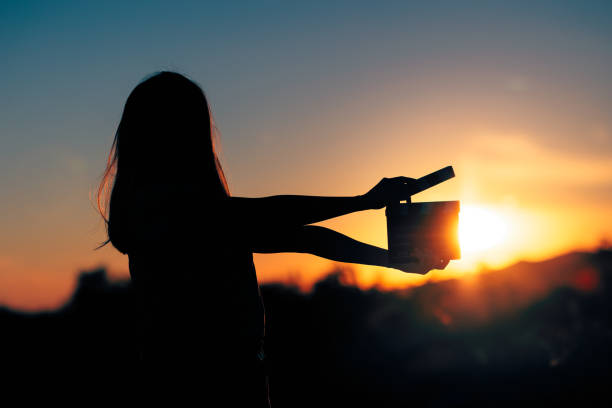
(390, 190)
(423, 267)
(424, 262)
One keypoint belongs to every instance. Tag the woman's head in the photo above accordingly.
(164, 138)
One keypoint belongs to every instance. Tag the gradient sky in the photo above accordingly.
(319, 98)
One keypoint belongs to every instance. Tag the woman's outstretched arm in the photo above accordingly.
(333, 245)
(294, 210)
(322, 242)
(288, 211)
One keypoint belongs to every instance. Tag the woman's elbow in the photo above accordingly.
(269, 240)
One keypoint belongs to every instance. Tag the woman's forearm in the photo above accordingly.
(296, 210)
(325, 243)
(289, 211)
(333, 245)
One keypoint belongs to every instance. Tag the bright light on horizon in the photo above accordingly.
(480, 229)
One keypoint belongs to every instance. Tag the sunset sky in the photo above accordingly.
(320, 98)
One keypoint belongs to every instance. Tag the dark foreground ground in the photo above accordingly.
(534, 334)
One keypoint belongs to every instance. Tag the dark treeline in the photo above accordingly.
(531, 333)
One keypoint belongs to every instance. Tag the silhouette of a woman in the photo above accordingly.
(190, 243)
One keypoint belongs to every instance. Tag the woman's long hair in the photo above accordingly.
(165, 138)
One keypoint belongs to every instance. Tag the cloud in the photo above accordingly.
(519, 158)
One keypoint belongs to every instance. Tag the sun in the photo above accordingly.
(480, 229)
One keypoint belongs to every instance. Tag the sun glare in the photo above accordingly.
(480, 229)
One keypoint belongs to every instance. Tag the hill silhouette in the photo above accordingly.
(532, 333)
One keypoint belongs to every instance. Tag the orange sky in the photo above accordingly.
(517, 100)
(522, 183)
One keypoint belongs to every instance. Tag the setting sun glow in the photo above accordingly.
(522, 114)
(480, 229)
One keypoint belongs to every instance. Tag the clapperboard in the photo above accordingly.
(427, 228)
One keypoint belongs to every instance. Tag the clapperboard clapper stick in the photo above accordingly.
(433, 179)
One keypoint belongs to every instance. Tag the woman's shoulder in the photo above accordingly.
(179, 213)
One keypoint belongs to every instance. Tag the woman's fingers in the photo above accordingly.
(389, 190)
(425, 265)
(399, 179)
(443, 263)
(404, 179)
(401, 188)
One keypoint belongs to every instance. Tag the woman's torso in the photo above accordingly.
(196, 289)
